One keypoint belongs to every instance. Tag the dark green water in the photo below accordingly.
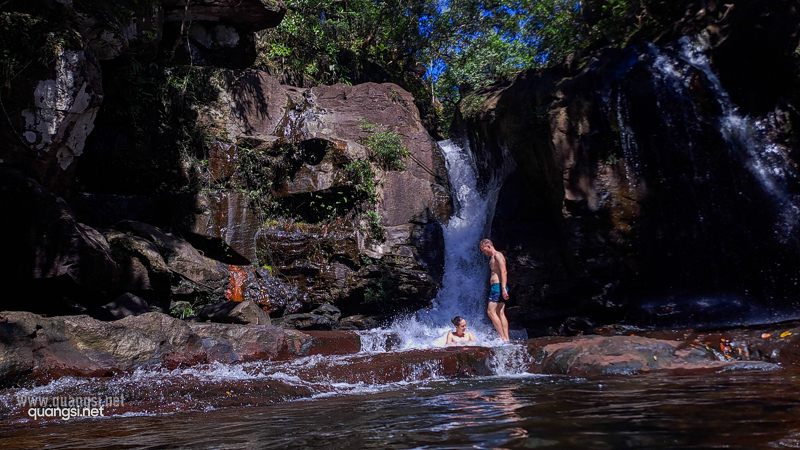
(727, 410)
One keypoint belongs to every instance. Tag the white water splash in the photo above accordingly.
(466, 270)
(510, 360)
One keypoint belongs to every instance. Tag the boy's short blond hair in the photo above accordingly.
(485, 242)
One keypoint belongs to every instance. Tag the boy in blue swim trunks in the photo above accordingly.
(498, 294)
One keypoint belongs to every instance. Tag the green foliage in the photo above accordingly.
(377, 230)
(316, 38)
(362, 178)
(471, 106)
(387, 149)
(366, 125)
(375, 292)
(465, 44)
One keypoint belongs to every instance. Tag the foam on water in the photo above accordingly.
(509, 360)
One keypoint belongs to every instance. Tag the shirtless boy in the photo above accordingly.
(499, 290)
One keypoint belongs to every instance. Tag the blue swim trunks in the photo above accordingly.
(494, 293)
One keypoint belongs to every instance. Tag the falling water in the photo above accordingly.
(466, 271)
(722, 186)
(748, 138)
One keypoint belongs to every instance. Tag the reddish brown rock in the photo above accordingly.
(326, 343)
(626, 355)
(234, 343)
(412, 365)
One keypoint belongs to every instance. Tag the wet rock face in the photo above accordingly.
(229, 217)
(329, 264)
(632, 195)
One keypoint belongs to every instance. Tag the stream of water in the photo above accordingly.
(744, 410)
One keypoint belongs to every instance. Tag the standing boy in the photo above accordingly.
(498, 293)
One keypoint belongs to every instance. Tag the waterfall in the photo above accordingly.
(718, 187)
(466, 270)
(768, 161)
(748, 139)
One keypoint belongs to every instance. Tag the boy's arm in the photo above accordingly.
(501, 263)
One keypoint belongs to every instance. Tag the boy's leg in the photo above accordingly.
(503, 321)
(492, 311)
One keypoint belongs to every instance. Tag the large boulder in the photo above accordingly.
(295, 151)
(34, 348)
(244, 312)
(142, 268)
(191, 271)
(593, 356)
(39, 348)
(231, 343)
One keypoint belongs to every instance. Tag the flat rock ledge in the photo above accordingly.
(37, 349)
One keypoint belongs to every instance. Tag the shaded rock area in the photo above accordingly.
(640, 171)
(123, 306)
(216, 32)
(47, 248)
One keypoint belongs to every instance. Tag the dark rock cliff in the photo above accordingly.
(654, 183)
